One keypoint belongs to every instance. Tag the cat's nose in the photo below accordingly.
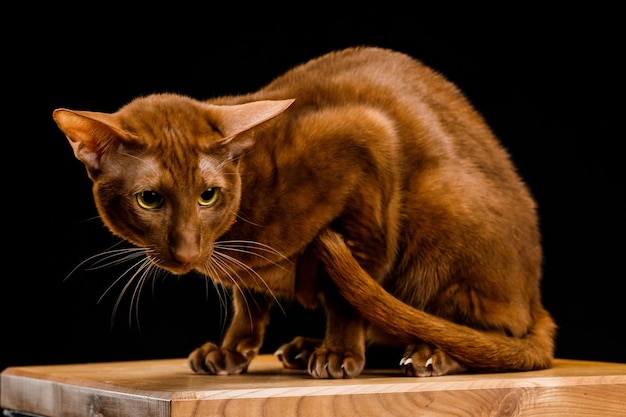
(186, 256)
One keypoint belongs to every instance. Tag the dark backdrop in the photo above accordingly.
(549, 83)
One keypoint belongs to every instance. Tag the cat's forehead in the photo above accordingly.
(171, 131)
(167, 119)
(160, 104)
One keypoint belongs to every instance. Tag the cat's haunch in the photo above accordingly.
(361, 179)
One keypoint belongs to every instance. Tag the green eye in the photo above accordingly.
(149, 199)
(209, 197)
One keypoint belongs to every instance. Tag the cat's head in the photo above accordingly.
(165, 170)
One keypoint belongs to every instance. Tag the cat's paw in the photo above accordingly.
(213, 360)
(425, 360)
(331, 363)
(296, 354)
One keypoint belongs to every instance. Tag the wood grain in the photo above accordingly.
(168, 388)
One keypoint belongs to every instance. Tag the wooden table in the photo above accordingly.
(168, 388)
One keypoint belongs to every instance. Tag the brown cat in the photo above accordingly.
(358, 172)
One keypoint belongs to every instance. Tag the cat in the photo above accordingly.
(362, 179)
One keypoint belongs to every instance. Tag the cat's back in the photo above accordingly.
(421, 102)
(433, 118)
(363, 73)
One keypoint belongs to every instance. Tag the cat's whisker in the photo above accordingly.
(221, 293)
(239, 266)
(144, 271)
(222, 265)
(255, 275)
(246, 246)
(141, 270)
(242, 246)
(140, 275)
(123, 255)
(138, 268)
(107, 258)
(251, 244)
(248, 221)
(97, 217)
(148, 271)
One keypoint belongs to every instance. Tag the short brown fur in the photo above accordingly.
(361, 178)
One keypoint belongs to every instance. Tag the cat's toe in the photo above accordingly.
(291, 361)
(212, 360)
(327, 363)
(196, 359)
(295, 354)
(417, 368)
(423, 360)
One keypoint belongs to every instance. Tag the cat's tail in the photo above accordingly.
(477, 350)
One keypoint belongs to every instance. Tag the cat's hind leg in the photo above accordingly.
(296, 354)
(322, 360)
(342, 352)
(422, 359)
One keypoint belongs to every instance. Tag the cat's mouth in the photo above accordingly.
(176, 267)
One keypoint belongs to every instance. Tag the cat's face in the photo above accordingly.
(165, 171)
(175, 213)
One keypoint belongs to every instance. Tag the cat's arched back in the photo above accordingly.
(362, 168)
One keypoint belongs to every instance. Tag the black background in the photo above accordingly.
(548, 82)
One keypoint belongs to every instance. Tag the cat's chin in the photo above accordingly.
(178, 271)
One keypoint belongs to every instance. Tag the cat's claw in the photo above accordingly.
(295, 354)
(279, 353)
(424, 360)
(407, 361)
(325, 363)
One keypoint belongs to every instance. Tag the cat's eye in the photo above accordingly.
(149, 199)
(209, 197)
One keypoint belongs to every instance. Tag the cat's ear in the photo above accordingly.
(232, 120)
(89, 134)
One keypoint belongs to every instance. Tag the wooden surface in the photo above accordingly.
(168, 388)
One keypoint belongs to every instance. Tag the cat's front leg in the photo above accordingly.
(242, 341)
